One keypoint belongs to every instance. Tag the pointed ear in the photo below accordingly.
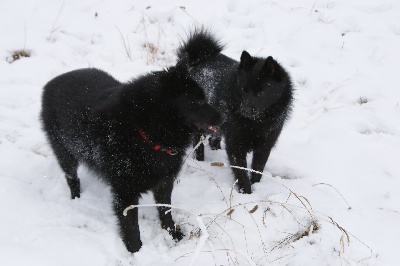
(245, 60)
(182, 65)
(271, 67)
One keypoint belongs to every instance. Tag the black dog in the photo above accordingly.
(255, 93)
(134, 135)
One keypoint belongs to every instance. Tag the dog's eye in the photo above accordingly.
(261, 93)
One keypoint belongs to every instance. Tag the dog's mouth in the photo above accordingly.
(209, 129)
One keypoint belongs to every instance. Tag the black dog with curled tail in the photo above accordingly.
(255, 93)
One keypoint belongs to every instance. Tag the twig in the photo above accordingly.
(349, 207)
(184, 10)
(54, 28)
(312, 8)
(230, 198)
(131, 207)
(202, 240)
(126, 46)
(212, 178)
(251, 262)
(24, 35)
(222, 243)
(258, 229)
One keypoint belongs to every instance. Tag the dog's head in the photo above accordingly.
(261, 83)
(190, 100)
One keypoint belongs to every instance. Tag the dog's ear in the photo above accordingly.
(272, 68)
(246, 60)
(182, 66)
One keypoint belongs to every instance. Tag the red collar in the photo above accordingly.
(156, 147)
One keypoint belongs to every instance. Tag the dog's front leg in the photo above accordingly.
(237, 157)
(199, 152)
(215, 141)
(162, 195)
(260, 158)
(129, 224)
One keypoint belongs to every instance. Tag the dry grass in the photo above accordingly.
(153, 49)
(151, 52)
(18, 54)
(54, 27)
(213, 235)
(126, 45)
(306, 231)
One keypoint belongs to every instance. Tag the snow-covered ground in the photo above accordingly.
(336, 165)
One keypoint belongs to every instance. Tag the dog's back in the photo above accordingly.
(68, 98)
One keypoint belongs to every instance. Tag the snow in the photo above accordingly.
(341, 147)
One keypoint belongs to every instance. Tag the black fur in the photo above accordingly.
(255, 93)
(200, 45)
(91, 118)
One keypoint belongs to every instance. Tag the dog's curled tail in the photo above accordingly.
(201, 44)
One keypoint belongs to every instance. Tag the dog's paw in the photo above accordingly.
(133, 246)
(245, 188)
(75, 194)
(245, 191)
(255, 179)
(215, 143)
(199, 156)
(74, 186)
(176, 234)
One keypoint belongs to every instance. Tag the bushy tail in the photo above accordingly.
(201, 44)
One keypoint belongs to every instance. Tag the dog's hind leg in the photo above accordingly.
(260, 158)
(162, 195)
(69, 165)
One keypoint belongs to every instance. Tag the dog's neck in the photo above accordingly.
(156, 147)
